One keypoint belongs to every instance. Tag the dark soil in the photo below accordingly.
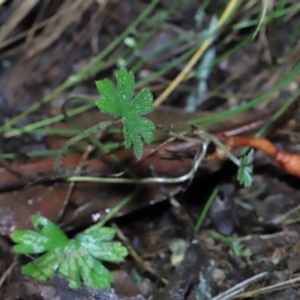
(248, 233)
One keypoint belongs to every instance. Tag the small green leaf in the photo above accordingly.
(246, 169)
(121, 103)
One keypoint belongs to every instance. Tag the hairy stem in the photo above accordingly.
(77, 138)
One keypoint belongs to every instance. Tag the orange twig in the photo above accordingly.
(289, 161)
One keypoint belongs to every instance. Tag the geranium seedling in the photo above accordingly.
(78, 259)
(120, 102)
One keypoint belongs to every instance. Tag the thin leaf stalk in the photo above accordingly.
(77, 138)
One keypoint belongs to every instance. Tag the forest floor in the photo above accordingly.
(208, 237)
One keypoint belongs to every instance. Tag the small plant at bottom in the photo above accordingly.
(78, 259)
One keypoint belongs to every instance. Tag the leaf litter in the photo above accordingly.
(266, 219)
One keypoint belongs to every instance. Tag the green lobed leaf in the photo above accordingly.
(75, 259)
(121, 103)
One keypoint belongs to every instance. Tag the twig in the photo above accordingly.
(272, 288)
(136, 256)
(146, 180)
(8, 271)
(235, 290)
